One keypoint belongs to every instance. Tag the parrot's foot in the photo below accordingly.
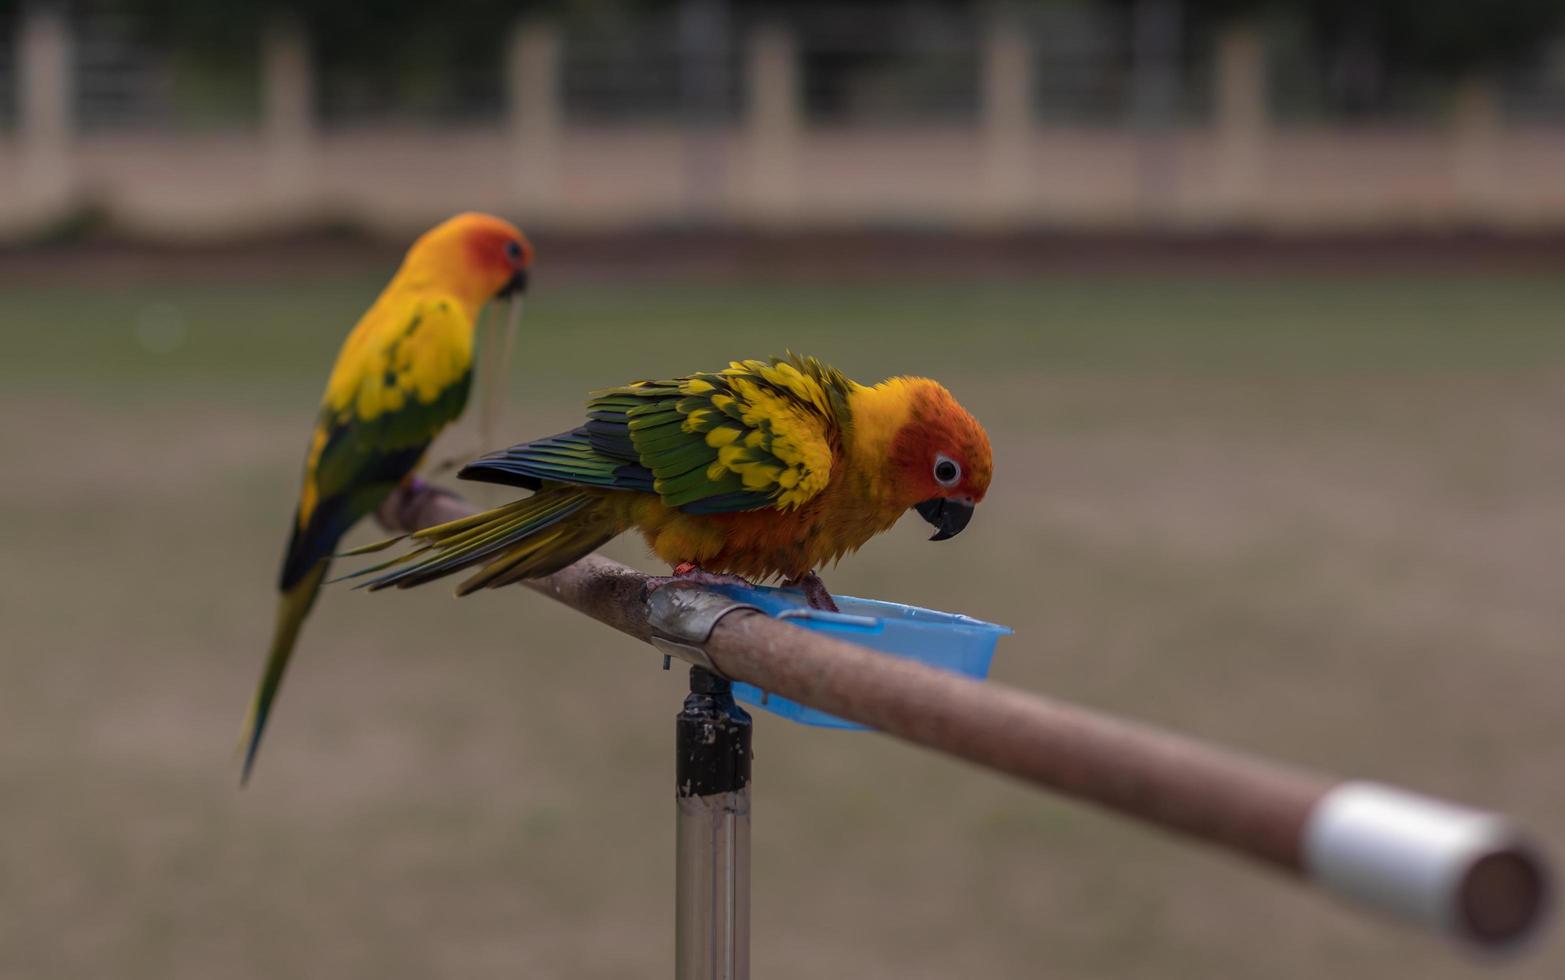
(814, 591)
(689, 571)
(403, 509)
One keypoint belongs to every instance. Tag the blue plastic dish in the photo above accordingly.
(949, 641)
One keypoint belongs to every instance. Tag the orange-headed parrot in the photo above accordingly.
(764, 469)
(401, 376)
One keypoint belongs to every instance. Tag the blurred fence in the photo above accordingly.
(1056, 115)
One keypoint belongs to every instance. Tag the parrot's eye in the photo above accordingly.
(513, 250)
(947, 470)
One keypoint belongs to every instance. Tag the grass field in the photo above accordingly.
(1323, 519)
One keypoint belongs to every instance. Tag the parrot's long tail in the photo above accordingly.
(527, 538)
(291, 609)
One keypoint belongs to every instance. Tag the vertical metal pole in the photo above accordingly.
(712, 882)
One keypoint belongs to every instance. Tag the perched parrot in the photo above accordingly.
(765, 469)
(402, 374)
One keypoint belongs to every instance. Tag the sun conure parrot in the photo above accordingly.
(402, 374)
(767, 468)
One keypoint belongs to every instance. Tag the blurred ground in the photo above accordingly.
(1321, 517)
(91, 251)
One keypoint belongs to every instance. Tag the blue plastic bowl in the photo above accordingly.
(949, 641)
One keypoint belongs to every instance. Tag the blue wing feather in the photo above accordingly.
(570, 457)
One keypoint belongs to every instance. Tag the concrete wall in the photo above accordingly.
(771, 170)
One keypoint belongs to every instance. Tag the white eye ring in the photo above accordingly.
(948, 472)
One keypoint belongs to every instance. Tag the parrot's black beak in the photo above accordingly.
(947, 515)
(517, 284)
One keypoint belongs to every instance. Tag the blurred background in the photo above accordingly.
(199, 120)
(1262, 303)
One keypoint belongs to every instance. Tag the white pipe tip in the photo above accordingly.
(1465, 873)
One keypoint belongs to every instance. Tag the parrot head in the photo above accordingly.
(939, 459)
(483, 255)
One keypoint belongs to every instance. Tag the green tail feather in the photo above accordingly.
(368, 549)
(291, 610)
(523, 539)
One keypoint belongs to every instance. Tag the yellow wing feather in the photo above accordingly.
(420, 347)
(797, 454)
(407, 354)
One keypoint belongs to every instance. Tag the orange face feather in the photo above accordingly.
(939, 430)
(473, 255)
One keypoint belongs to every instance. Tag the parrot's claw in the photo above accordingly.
(814, 592)
(401, 510)
(689, 571)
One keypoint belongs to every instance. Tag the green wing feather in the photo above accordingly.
(757, 434)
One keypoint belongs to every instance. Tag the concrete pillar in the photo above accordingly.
(535, 115)
(290, 142)
(1007, 124)
(1241, 122)
(46, 127)
(1156, 27)
(703, 29)
(773, 124)
(1476, 130)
